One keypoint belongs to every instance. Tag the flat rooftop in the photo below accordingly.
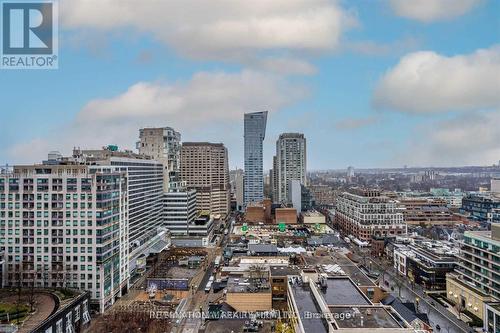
(357, 275)
(349, 268)
(306, 304)
(312, 213)
(283, 271)
(242, 284)
(341, 291)
(363, 317)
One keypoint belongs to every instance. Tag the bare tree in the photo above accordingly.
(31, 292)
(18, 275)
(383, 268)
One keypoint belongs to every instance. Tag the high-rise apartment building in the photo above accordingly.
(254, 133)
(273, 175)
(290, 163)
(144, 186)
(163, 144)
(204, 167)
(66, 226)
(366, 213)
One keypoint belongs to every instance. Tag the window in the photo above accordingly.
(77, 313)
(85, 312)
(59, 326)
(69, 322)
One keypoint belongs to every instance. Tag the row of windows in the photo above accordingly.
(46, 196)
(46, 241)
(45, 223)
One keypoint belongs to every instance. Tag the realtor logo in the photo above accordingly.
(29, 35)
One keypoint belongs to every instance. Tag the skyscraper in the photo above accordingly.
(290, 164)
(254, 133)
(204, 167)
(164, 145)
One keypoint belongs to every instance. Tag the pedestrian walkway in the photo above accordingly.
(438, 314)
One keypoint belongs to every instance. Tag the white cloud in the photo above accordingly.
(424, 82)
(469, 139)
(432, 10)
(209, 106)
(221, 29)
(283, 66)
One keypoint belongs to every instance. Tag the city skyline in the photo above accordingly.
(366, 82)
(287, 166)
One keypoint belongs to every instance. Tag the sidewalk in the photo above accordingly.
(417, 291)
(448, 318)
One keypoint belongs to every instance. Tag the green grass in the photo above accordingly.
(16, 313)
(13, 308)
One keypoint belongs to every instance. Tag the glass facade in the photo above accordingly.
(254, 133)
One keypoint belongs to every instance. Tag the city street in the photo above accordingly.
(438, 315)
(199, 300)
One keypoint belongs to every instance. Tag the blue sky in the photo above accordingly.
(370, 83)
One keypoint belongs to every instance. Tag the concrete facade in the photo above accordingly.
(204, 167)
(290, 164)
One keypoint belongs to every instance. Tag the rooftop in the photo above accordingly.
(243, 283)
(485, 235)
(263, 248)
(185, 144)
(283, 271)
(312, 213)
(341, 291)
(405, 310)
(363, 317)
(305, 303)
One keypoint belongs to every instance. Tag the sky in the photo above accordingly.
(370, 83)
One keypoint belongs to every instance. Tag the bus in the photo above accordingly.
(209, 284)
(217, 261)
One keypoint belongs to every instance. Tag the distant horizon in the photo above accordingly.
(266, 169)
